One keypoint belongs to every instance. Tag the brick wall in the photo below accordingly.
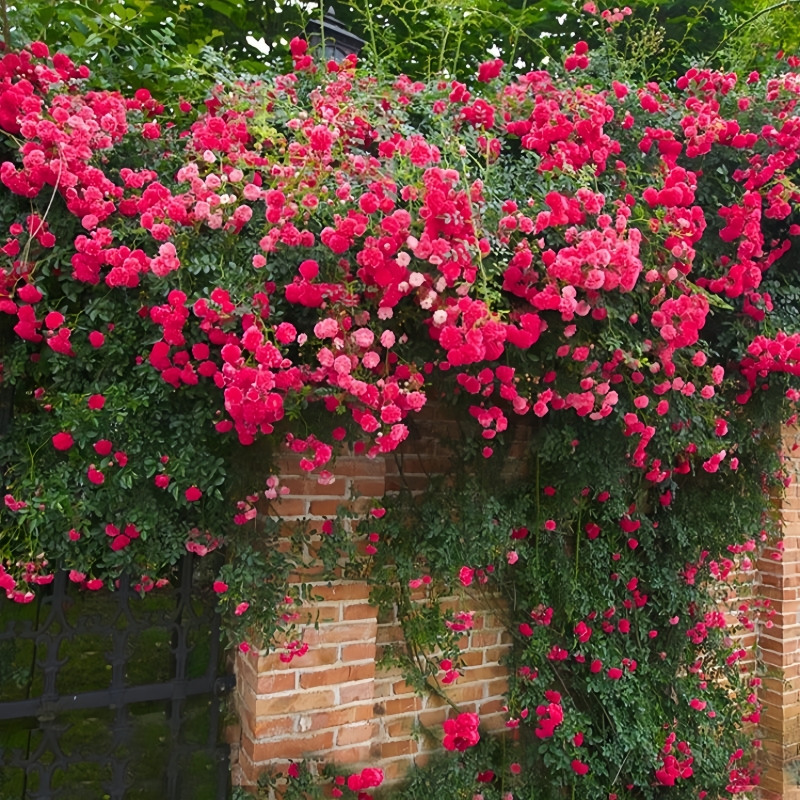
(332, 704)
(321, 704)
(401, 714)
(780, 582)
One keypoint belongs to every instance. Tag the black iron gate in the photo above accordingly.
(111, 695)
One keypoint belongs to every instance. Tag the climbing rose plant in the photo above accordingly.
(305, 263)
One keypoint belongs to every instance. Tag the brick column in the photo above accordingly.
(330, 704)
(320, 705)
(403, 716)
(779, 647)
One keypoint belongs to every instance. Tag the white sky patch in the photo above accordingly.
(258, 44)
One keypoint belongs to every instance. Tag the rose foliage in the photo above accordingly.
(310, 260)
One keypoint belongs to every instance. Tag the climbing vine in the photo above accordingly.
(304, 264)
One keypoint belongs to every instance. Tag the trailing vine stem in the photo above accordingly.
(745, 23)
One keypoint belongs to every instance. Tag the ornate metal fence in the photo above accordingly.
(112, 695)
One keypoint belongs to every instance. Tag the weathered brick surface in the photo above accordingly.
(334, 705)
(339, 708)
(778, 647)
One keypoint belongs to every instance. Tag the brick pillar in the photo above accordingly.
(319, 705)
(779, 647)
(403, 716)
(330, 704)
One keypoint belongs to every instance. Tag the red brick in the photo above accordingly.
(359, 467)
(306, 488)
(382, 691)
(410, 483)
(343, 591)
(389, 634)
(273, 726)
(494, 722)
(485, 673)
(465, 692)
(354, 727)
(246, 696)
(335, 718)
(232, 734)
(355, 754)
(402, 747)
(246, 717)
(294, 748)
(356, 734)
(297, 701)
(368, 487)
(315, 657)
(358, 652)
(492, 706)
(401, 687)
(472, 658)
(360, 611)
(433, 718)
(306, 574)
(496, 687)
(350, 632)
(395, 770)
(279, 682)
(355, 692)
(402, 705)
(337, 675)
(435, 701)
(292, 508)
(400, 728)
(326, 508)
(325, 614)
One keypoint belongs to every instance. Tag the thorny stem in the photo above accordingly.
(371, 25)
(517, 29)
(444, 44)
(458, 50)
(621, 766)
(33, 233)
(435, 687)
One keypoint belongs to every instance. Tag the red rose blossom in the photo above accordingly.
(63, 441)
